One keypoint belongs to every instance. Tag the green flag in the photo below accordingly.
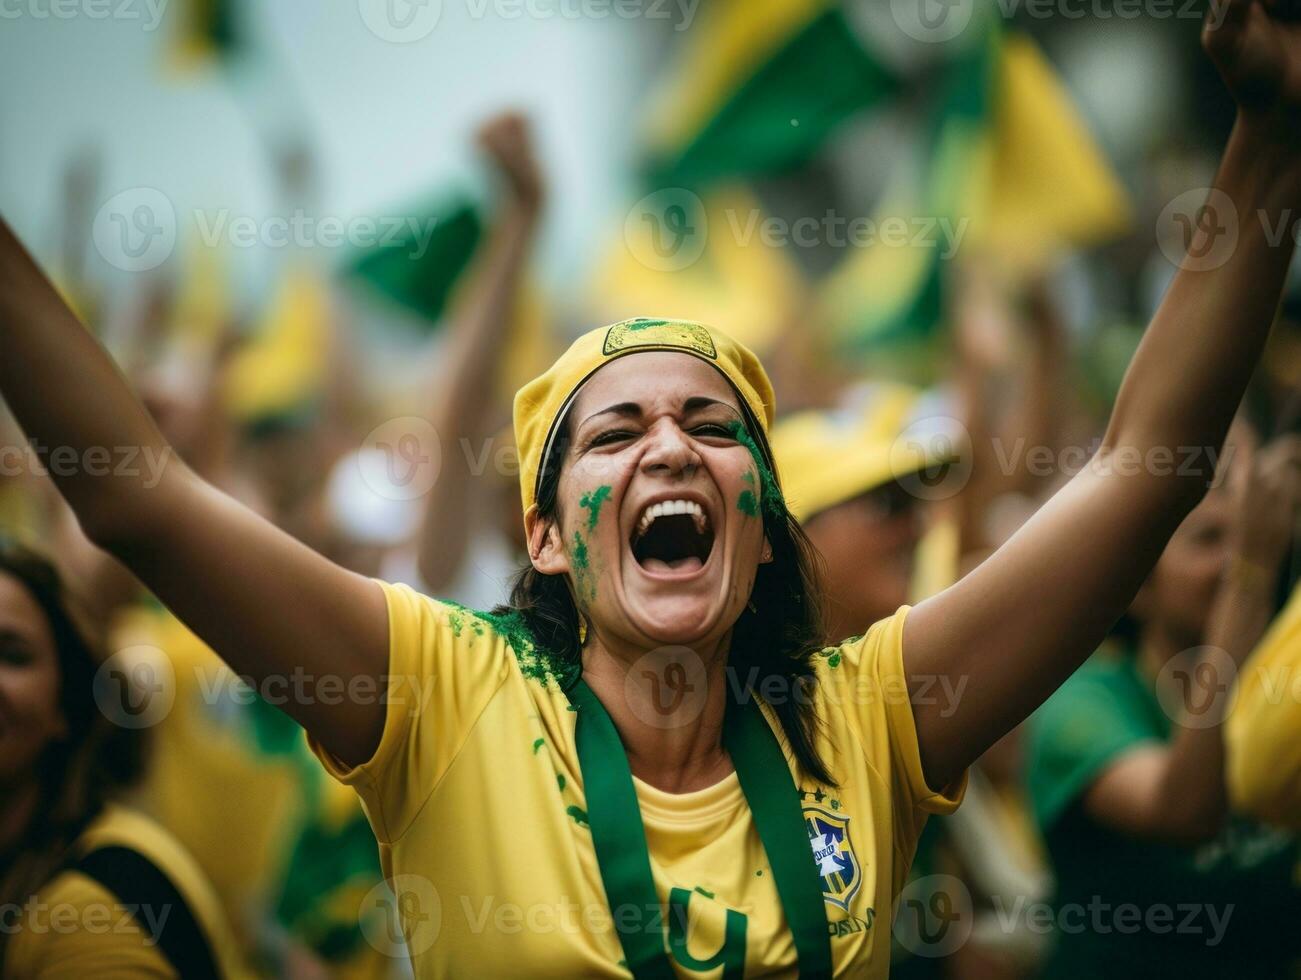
(758, 88)
(418, 275)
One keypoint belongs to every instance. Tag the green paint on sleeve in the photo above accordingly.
(593, 501)
(535, 662)
(831, 655)
(759, 873)
(560, 781)
(537, 744)
(702, 891)
(579, 815)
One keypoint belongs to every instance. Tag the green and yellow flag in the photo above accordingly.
(757, 88)
(1007, 168)
(891, 290)
(418, 269)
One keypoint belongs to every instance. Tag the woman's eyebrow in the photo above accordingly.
(632, 409)
(623, 409)
(698, 402)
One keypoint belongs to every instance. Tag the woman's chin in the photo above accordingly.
(678, 620)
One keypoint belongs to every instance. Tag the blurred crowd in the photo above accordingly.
(372, 424)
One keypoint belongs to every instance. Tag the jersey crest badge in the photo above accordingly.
(833, 852)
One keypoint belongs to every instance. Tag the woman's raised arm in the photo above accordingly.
(273, 609)
(1019, 625)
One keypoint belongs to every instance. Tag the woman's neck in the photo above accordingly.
(668, 708)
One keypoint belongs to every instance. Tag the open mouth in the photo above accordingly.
(673, 536)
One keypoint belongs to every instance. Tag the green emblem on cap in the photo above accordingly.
(643, 332)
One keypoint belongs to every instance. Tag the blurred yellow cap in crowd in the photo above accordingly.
(540, 406)
(829, 457)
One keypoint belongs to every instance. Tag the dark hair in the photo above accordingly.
(776, 636)
(79, 772)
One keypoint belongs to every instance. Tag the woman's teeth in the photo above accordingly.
(667, 508)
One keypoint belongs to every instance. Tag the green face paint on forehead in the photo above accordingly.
(592, 501)
(770, 498)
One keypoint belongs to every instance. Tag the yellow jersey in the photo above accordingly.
(476, 798)
(286, 850)
(75, 927)
(232, 804)
(1263, 735)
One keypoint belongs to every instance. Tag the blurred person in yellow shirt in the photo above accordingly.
(88, 887)
(1263, 732)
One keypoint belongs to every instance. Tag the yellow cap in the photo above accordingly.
(827, 458)
(542, 403)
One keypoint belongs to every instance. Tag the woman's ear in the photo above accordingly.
(546, 551)
(765, 556)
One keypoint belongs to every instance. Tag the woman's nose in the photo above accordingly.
(670, 451)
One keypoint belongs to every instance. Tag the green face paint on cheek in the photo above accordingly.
(584, 580)
(592, 502)
(770, 497)
(747, 505)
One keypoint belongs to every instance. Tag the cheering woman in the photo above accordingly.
(647, 764)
